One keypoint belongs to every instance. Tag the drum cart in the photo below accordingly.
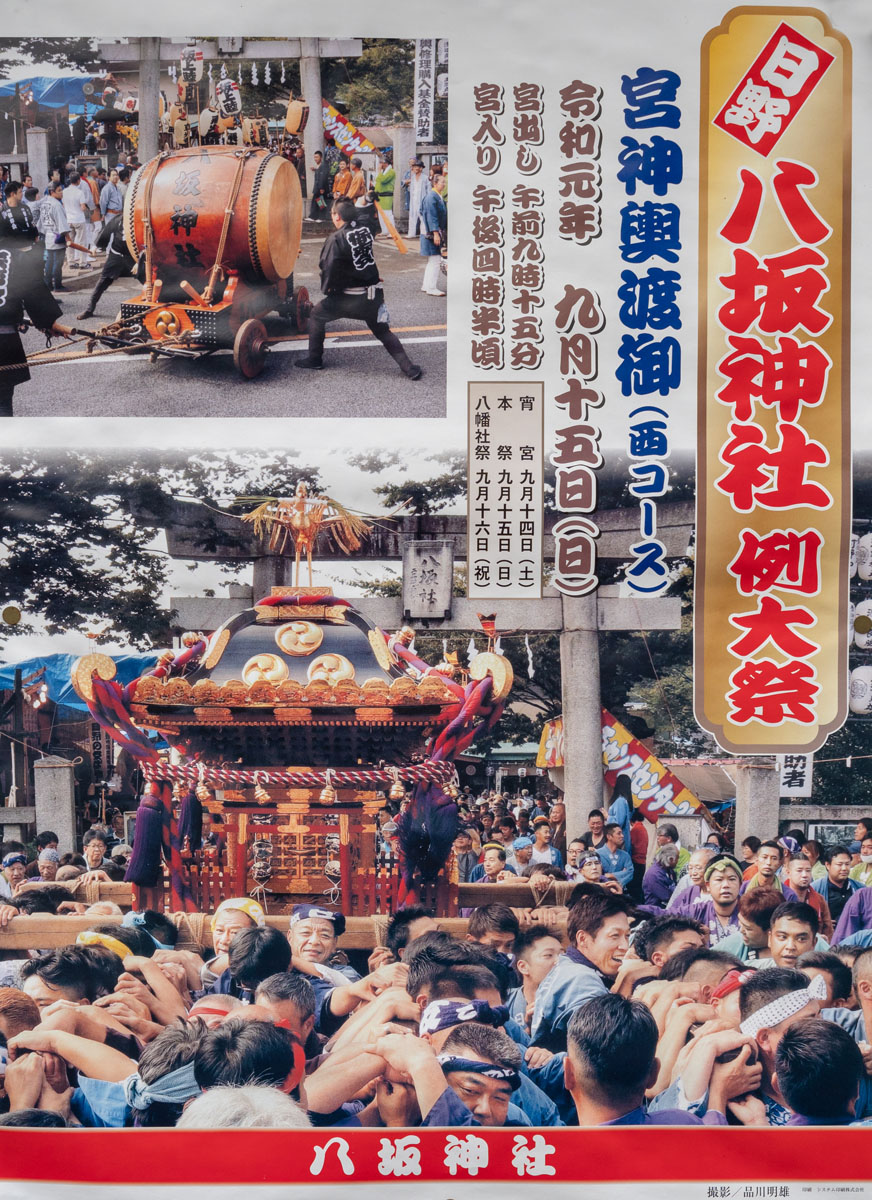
(196, 329)
(219, 230)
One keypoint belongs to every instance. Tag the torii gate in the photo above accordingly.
(197, 532)
(151, 53)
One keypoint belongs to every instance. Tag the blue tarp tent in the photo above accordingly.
(54, 91)
(58, 668)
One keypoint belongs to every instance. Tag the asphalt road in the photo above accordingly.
(359, 380)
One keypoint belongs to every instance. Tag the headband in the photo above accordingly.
(449, 1062)
(493, 846)
(789, 1005)
(591, 856)
(521, 843)
(443, 1014)
(15, 857)
(205, 1011)
(251, 908)
(731, 982)
(723, 862)
(306, 912)
(88, 937)
(173, 1088)
(137, 920)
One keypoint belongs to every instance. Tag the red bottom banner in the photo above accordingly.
(621, 1164)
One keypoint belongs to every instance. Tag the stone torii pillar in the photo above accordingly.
(582, 723)
(758, 794)
(37, 155)
(149, 87)
(310, 82)
(405, 147)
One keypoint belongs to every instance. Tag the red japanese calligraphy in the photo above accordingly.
(740, 225)
(780, 293)
(774, 88)
(772, 478)
(787, 378)
(772, 621)
(784, 559)
(796, 209)
(788, 181)
(770, 692)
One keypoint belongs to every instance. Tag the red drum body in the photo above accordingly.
(187, 192)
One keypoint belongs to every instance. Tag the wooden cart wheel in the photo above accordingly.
(302, 308)
(249, 348)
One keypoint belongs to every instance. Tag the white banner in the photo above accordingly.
(425, 87)
(796, 774)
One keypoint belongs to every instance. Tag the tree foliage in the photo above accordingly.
(419, 496)
(73, 556)
(67, 54)
(835, 781)
(268, 99)
(378, 87)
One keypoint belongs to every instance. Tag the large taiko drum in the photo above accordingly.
(187, 193)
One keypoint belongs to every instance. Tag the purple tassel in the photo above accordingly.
(145, 861)
(190, 822)
(426, 833)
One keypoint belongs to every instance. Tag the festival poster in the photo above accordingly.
(626, 468)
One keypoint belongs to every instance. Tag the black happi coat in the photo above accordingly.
(21, 290)
(347, 260)
(119, 260)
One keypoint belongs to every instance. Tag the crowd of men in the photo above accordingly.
(697, 986)
(426, 198)
(65, 220)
